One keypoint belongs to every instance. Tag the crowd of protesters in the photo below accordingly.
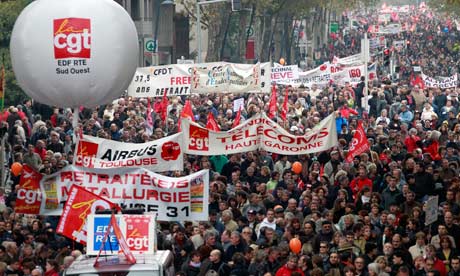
(361, 218)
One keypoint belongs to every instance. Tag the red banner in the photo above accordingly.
(28, 192)
(80, 203)
(359, 143)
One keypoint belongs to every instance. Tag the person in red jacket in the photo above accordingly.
(411, 141)
(361, 181)
(433, 146)
(289, 267)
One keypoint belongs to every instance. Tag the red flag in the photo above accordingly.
(284, 111)
(164, 107)
(149, 114)
(321, 170)
(29, 187)
(237, 120)
(80, 203)
(187, 112)
(212, 124)
(273, 103)
(121, 241)
(419, 81)
(359, 143)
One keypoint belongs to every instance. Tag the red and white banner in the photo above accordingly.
(137, 233)
(352, 74)
(80, 203)
(29, 188)
(259, 132)
(359, 143)
(182, 198)
(165, 154)
(280, 72)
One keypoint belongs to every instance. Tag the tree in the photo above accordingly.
(9, 11)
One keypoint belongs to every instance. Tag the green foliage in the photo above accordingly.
(448, 6)
(9, 11)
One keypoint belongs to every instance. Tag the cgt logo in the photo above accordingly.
(199, 138)
(86, 152)
(72, 38)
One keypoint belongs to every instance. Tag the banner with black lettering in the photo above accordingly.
(258, 132)
(173, 199)
(227, 77)
(176, 79)
(165, 154)
(440, 82)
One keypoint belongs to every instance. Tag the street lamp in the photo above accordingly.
(159, 3)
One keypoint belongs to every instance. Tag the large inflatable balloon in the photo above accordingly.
(71, 53)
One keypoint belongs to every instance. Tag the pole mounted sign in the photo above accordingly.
(150, 45)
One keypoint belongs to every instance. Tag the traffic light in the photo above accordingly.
(236, 5)
(386, 57)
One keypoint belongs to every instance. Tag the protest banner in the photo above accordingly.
(431, 210)
(176, 79)
(29, 186)
(352, 74)
(258, 132)
(182, 198)
(348, 61)
(440, 82)
(138, 232)
(321, 76)
(165, 154)
(238, 104)
(280, 73)
(227, 77)
(80, 203)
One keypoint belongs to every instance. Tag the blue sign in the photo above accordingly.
(101, 224)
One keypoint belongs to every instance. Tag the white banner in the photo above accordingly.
(348, 61)
(165, 154)
(227, 77)
(280, 73)
(258, 132)
(138, 231)
(321, 76)
(173, 199)
(390, 29)
(440, 82)
(352, 74)
(336, 73)
(176, 79)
